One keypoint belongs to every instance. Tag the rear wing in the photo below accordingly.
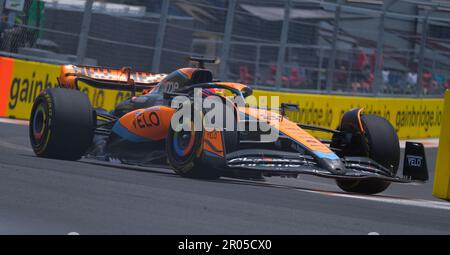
(108, 78)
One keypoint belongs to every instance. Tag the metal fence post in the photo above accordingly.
(423, 43)
(227, 40)
(85, 26)
(2, 3)
(380, 45)
(332, 59)
(435, 56)
(319, 72)
(283, 42)
(159, 41)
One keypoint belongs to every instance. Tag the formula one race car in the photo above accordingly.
(362, 156)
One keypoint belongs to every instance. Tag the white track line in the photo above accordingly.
(384, 199)
(14, 121)
(427, 143)
(430, 204)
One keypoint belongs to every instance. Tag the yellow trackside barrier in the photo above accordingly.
(411, 117)
(441, 188)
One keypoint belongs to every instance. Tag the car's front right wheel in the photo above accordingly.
(183, 147)
(380, 143)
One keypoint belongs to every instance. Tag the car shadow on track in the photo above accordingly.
(166, 171)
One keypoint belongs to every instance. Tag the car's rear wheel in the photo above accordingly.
(380, 143)
(62, 124)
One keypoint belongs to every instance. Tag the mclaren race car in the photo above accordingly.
(363, 154)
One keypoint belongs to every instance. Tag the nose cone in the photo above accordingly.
(335, 166)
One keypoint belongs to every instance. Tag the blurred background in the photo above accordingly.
(353, 47)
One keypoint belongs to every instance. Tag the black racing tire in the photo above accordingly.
(381, 144)
(183, 149)
(62, 124)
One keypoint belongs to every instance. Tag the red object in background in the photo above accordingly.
(371, 78)
(367, 84)
(295, 76)
(245, 75)
(273, 71)
(447, 83)
(373, 61)
(6, 77)
(426, 80)
(360, 60)
(341, 75)
(273, 76)
(427, 75)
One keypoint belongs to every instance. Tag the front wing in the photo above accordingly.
(286, 163)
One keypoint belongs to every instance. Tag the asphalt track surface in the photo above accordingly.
(44, 196)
